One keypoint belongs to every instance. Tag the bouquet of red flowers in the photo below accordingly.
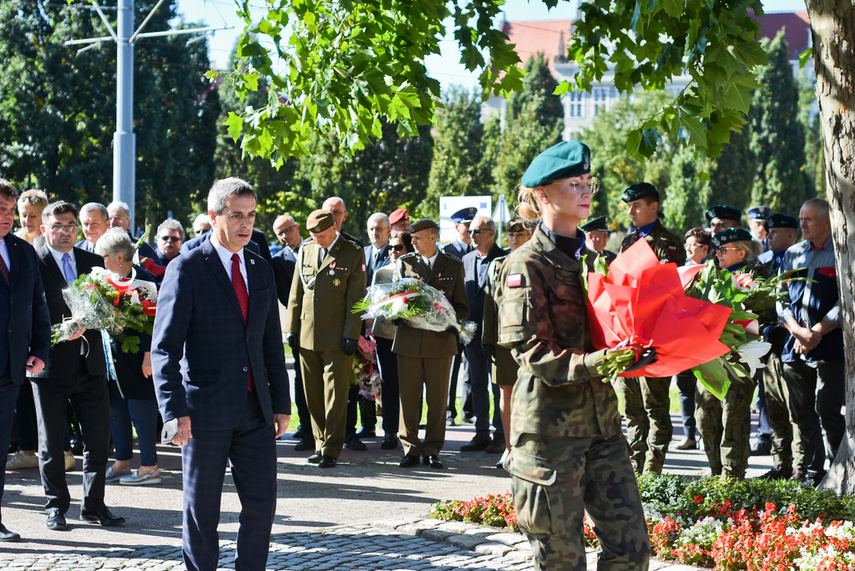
(643, 303)
(103, 300)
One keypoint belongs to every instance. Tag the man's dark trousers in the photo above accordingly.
(251, 449)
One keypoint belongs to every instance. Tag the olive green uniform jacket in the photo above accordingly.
(323, 295)
(667, 246)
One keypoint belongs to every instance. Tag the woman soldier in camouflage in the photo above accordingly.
(568, 454)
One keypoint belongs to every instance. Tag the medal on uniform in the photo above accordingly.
(332, 270)
(336, 282)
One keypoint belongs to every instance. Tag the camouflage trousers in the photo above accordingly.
(787, 448)
(557, 479)
(648, 420)
(725, 427)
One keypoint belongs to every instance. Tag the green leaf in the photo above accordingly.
(697, 132)
(235, 125)
(649, 140)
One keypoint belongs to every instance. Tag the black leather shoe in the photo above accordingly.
(432, 460)
(56, 521)
(354, 443)
(761, 448)
(315, 458)
(327, 462)
(409, 461)
(366, 433)
(477, 443)
(300, 434)
(103, 516)
(304, 445)
(389, 443)
(496, 446)
(6, 535)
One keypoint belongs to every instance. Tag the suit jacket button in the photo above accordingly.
(246, 338)
(246, 369)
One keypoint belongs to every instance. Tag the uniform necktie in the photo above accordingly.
(239, 286)
(4, 270)
(70, 276)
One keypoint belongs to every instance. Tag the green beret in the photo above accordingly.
(423, 224)
(570, 158)
(638, 191)
(723, 212)
(781, 221)
(598, 223)
(320, 220)
(731, 235)
(517, 225)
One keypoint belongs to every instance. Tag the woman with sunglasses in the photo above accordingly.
(568, 454)
(725, 425)
(400, 243)
(31, 203)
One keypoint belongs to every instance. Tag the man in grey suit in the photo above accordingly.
(220, 378)
(95, 220)
(377, 253)
(24, 322)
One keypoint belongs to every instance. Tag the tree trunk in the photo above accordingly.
(833, 29)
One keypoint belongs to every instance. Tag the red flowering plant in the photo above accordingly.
(493, 510)
(417, 304)
(103, 300)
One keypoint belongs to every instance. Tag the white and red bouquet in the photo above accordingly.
(103, 300)
(417, 304)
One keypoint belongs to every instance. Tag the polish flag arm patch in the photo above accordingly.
(514, 280)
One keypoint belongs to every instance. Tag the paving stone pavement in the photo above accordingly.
(394, 545)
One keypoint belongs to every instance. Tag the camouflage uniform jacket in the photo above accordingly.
(544, 322)
(505, 372)
(665, 244)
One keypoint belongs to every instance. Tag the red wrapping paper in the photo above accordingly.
(643, 301)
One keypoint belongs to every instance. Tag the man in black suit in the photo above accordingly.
(74, 373)
(284, 262)
(94, 220)
(24, 322)
(377, 253)
(220, 378)
(475, 264)
(461, 246)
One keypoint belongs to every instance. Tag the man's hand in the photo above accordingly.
(348, 345)
(146, 364)
(280, 422)
(645, 357)
(185, 433)
(35, 365)
(807, 337)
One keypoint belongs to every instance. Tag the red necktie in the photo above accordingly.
(4, 270)
(243, 298)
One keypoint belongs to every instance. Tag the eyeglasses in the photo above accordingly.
(117, 217)
(397, 247)
(592, 186)
(477, 231)
(286, 230)
(68, 228)
(723, 250)
(170, 238)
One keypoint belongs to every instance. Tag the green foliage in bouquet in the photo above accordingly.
(406, 295)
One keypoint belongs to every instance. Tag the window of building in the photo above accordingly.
(601, 99)
(577, 109)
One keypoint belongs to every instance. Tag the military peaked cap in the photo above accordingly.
(598, 223)
(464, 215)
(759, 212)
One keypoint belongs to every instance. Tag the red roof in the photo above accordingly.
(550, 37)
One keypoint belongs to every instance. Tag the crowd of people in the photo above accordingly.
(217, 382)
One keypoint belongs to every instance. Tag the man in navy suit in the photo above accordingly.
(24, 322)
(475, 264)
(74, 373)
(219, 373)
(95, 220)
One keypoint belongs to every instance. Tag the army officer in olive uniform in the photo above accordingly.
(328, 280)
(424, 357)
(648, 418)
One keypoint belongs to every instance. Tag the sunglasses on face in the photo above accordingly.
(477, 231)
(723, 250)
(397, 247)
(170, 238)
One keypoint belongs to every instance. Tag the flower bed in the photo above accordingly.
(722, 524)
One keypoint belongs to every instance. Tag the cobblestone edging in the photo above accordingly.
(394, 545)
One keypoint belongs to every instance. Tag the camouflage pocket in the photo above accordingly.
(513, 310)
(531, 468)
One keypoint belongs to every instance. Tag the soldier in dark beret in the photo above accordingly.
(597, 232)
(722, 216)
(647, 404)
(328, 280)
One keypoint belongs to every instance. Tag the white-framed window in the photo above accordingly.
(601, 99)
(577, 108)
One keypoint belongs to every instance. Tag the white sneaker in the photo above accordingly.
(20, 460)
